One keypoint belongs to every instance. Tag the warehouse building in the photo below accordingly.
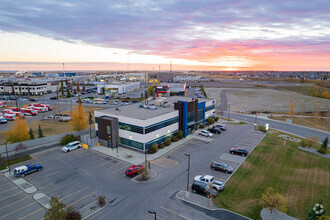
(140, 125)
(117, 88)
(169, 89)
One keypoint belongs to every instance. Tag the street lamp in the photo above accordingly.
(188, 155)
(255, 121)
(153, 213)
(7, 155)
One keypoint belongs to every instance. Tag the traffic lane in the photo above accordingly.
(290, 128)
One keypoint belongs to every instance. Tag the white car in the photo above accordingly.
(218, 185)
(71, 146)
(205, 133)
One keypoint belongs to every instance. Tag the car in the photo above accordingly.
(71, 146)
(215, 165)
(24, 99)
(214, 130)
(32, 99)
(134, 170)
(221, 127)
(239, 151)
(29, 168)
(218, 185)
(53, 98)
(13, 98)
(205, 133)
(135, 101)
(113, 102)
(3, 120)
(204, 189)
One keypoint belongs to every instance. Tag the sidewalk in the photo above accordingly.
(139, 157)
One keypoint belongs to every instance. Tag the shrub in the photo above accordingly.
(144, 173)
(303, 143)
(201, 126)
(174, 138)
(261, 128)
(72, 214)
(153, 149)
(101, 201)
(167, 142)
(161, 146)
(216, 118)
(67, 139)
(324, 147)
(180, 134)
(210, 121)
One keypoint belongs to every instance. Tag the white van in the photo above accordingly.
(71, 146)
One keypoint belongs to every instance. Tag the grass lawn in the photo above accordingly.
(226, 119)
(238, 123)
(301, 177)
(321, 123)
(3, 164)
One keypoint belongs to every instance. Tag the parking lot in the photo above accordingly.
(77, 178)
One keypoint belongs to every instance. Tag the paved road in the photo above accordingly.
(289, 128)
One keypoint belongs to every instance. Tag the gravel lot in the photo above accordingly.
(247, 100)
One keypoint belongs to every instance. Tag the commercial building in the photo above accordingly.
(140, 125)
(117, 88)
(168, 89)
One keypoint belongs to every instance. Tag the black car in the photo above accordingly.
(53, 98)
(214, 130)
(221, 166)
(13, 98)
(240, 151)
(204, 189)
(32, 99)
(135, 101)
(221, 127)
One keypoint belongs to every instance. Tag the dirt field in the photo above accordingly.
(247, 100)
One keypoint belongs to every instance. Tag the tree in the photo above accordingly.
(325, 76)
(180, 134)
(71, 87)
(150, 87)
(78, 87)
(72, 214)
(62, 88)
(78, 118)
(68, 94)
(145, 94)
(325, 95)
(90, 122)
(20, 148)
(31, 134)
(83, 87)
(20, 89)
(291, 107)
(311, 140)
(272, 200)
(56, 210)
(18, 132)
(324, 147)
(40, 133)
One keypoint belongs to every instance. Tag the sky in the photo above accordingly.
(150, 35)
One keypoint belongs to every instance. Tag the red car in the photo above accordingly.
(134, 170)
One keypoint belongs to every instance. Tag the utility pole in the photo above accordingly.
(188, 155)
(255, 121)
(228, 112)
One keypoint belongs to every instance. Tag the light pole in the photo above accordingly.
(255, 121)
(153, 213)
(188, 155)
(7, 155)
(228, 112)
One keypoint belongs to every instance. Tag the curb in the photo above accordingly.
(40, 196)
(147, 180)
(5, 170)
(86, 217)
(19, 182)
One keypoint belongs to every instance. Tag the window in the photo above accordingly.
(161, 124)
(190, 117)
(108, 130)
(96, 119)
(209, 108)
(129, 127)
(131, 143)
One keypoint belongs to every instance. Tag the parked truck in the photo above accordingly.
(29, 168)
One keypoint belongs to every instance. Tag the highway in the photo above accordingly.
(278, 125)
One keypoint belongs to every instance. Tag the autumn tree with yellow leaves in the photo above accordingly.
(78, 118)
(18, 131)
(271, 200)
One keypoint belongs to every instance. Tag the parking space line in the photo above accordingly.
(182, 216)
(105, 163)
(18, 210)
(113, 165)
(8, 190)
(93, 157)
(98, 160)
(220, 179)
(87, 155)
(46, 176)
(74, 193)
(30, 214)
(5, 184)
(120, 169)
(13, 203)
(11, 196)
(81, 199)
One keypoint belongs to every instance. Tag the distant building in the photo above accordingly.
(168, 89)
(117, 88)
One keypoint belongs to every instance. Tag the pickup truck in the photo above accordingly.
(218, 185)
(29, 168)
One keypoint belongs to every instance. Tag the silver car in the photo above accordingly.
(205, 133)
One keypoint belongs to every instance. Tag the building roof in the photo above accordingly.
(134, 111)
(185, 98)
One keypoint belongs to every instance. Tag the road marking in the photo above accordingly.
(120, 169)
(46, 176)
(18, 210)
(13, 203)
(105, 163)
(175, 213)
(81, 199)
(165, 162)
(113, 165)
(74, 193)
(11, 196)
(219, 179)
(93, 157)
(98, 160)
(30, 214)
(8, 190)
(6, 184)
